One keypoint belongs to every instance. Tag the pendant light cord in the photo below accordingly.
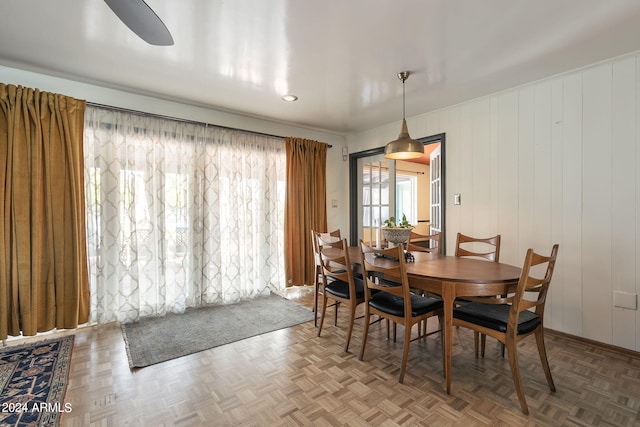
(403, 76)
(403, 101)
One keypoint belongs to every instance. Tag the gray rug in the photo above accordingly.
(155, 340)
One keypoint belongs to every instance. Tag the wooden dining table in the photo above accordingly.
(454, 277)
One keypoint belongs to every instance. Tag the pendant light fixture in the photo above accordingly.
(404, 147)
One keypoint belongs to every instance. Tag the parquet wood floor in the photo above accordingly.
(293, 378)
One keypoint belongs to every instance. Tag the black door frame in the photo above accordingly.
(353, 182)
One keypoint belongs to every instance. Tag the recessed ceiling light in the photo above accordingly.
(289, 98)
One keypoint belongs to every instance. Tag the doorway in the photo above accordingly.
(380, 188)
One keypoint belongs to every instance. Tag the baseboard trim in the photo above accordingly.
(604, 346)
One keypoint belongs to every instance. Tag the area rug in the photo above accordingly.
(33, 381)
(155, 340)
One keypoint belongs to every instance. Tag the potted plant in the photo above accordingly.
(397, 232)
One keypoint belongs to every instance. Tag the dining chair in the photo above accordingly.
(339, 282)
(511, 319)
(416, 242)
(317, 284)
(475, 247)
(424, 243)
(488, 247)
(393, 300)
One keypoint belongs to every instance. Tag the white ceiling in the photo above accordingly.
(340, 57)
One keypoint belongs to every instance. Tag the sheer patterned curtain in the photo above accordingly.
(179, 214)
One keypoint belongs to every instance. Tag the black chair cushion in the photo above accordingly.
(340, 288)
(495, 316)
(394, 305)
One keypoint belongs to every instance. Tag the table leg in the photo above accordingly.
(448, 297)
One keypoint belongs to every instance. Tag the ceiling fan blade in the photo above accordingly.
(142, 20)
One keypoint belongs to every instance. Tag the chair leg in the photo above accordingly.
(422, 329)
(335, 320)
(324, 311)
(352, 317)
(365, 333)
(394, 330)
(515, 373)
(405, 352)
(483, 344)
(316, 284)
(475, 342)
(442, 332)
(543, 358)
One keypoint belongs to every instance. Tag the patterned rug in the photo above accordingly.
(33, 381)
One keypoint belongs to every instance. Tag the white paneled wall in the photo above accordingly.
(555, 161)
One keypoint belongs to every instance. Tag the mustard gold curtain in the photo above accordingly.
(306, 206)
(43, 263)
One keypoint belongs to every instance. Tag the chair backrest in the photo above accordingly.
(334, 260)
(390, 263)
(532, 291)
(489, 247)
(315, 235)
(432, 239)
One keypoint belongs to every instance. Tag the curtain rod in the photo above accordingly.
(127, 110)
